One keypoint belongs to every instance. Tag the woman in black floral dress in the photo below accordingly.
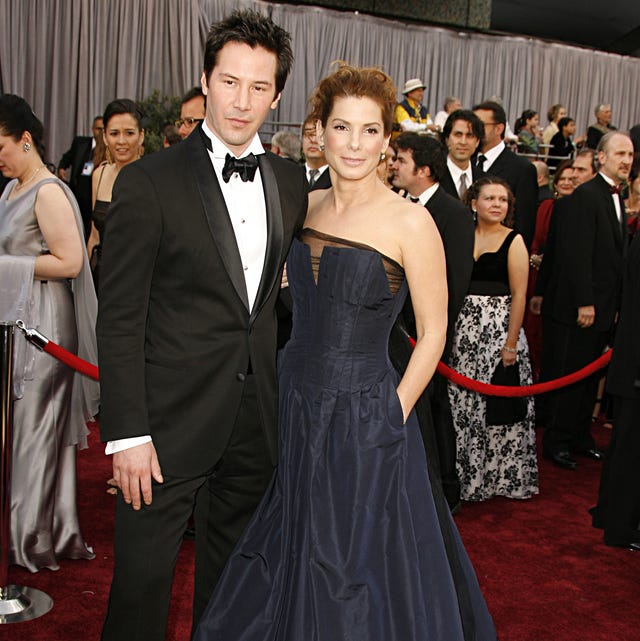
(496, 460)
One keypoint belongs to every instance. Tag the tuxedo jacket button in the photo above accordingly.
(240, 376)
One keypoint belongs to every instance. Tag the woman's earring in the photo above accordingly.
(321, 146)
(107, 155)
(382, 156)
(26, 147)
(475, 215)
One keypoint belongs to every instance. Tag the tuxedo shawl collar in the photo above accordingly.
(618, 227)
(220, 225)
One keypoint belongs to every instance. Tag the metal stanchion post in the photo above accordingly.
(17, 602)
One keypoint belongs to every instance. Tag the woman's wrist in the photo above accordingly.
(509, 350)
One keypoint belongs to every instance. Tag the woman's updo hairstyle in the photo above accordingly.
(356, 82)
(123, 106)
(16, 117)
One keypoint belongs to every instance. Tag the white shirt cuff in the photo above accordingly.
(125, 443)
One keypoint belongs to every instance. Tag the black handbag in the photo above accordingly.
(506, 410)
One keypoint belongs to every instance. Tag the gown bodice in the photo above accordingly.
(490, 275)
(346, 297)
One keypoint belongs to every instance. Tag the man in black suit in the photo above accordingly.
(496, 160)
(315, 164)
(601, 126)
(581, 298)
(418, 167)
(195, 241)
(192, 111)
(462, 134)
(542, 174)
(618, 509)
(80, 157)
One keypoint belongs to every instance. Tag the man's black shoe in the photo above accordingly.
(561, 459)
(630, 545)
(591, 452)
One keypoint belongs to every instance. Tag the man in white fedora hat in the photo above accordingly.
(411, 114)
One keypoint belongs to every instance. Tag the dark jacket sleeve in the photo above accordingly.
(526, 194)
(130, 246)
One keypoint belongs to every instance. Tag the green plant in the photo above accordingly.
(159, 111)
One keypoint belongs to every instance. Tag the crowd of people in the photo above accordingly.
(328, 484)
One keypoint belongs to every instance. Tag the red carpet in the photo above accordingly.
(544, 570)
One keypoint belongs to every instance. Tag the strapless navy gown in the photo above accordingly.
(346, 544)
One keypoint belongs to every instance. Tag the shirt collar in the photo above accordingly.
(321, 170)
(220, 150)
(492, 154)
(456, 172)
(426, 195)
(608, 180)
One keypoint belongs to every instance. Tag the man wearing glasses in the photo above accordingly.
(191, 111)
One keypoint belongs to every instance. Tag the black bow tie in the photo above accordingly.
(615, 189)
(245, 167)
(414, 199)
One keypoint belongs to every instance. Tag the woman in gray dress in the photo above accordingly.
(45, 280)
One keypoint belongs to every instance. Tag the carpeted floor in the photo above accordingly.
(544, 570)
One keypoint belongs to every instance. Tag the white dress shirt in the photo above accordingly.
(491, 155)
(424, 197)
(456, 174)
(320, 171)
(615, 197)
(248, 214)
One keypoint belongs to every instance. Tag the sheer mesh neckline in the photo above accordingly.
(317, 241)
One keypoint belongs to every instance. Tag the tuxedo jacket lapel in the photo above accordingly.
(275, 233)
(612, 216)
(217, 214)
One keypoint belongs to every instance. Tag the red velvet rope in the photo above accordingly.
(71, 360)
(487, 389)
(524, 390)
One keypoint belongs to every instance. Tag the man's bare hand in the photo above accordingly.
(133, 469)
(586, 315)
(535, 305)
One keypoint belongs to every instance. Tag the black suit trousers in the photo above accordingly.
(147, 541)
(445, 436)
(619, 496)
(566, 349)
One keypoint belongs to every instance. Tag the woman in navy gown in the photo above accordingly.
(347, 543)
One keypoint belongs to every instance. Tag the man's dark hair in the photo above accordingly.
(426, 152)
(477, 126)
(255, 30)
(499, 115)
(592, 156)
(194, 92)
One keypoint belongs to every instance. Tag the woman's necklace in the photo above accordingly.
(21, 185)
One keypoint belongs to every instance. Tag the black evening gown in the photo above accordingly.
(346, 544)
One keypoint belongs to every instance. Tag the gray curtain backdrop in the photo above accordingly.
(69, 58)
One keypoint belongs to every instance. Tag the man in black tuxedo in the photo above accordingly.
(315, 164)
(195, 241)
(496, 160)
(80, 157)
(581, 298)
(618, 509)
(418, 167)
(462, 134)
